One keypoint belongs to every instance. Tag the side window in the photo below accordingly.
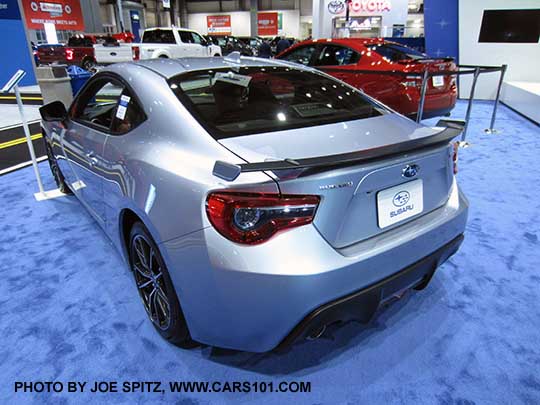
(149, 37)
(185, 37)
(159, 37)
(300, 55)
(128, 116)
(97, 104)
(333, 55)
(197, 39)
(108, 106)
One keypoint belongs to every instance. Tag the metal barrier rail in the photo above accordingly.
(474, 70)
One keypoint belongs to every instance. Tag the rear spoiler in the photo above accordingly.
(229, 171)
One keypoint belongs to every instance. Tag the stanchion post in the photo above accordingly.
(491, 129)
(28, 139)
(463, 143)
(422, 96)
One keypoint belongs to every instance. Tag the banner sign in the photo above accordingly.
(360, 6)
(267, 23)
(14, 46)
(218, 24)
(64, 14)
(9, 10)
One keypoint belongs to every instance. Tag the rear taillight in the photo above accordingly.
(69, 54)
(455, 156)
(251, 218)
(412, 81)
(135, 52)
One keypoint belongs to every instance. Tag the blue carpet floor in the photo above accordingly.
(69, 310)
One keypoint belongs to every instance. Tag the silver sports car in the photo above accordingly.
(256, 201)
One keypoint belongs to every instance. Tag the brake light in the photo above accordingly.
(69, 54)
(455, 156)
(253, 218)
(135, 52)
(412, 81)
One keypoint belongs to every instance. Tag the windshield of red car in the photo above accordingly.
(231, 102)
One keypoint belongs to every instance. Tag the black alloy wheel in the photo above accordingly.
(155, 288)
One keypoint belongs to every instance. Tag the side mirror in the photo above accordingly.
(55, 111)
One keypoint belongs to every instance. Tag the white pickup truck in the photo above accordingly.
(158, 43)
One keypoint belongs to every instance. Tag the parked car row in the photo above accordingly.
(387, 71)
(79, 49)
(89, 50)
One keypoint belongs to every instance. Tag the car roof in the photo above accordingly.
(169, 28)
(172, 67)
(346, 41)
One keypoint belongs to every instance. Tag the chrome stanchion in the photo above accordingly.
(463, 143)
(491, 129)
(422, 96)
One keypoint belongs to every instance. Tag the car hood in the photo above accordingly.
(324, 140)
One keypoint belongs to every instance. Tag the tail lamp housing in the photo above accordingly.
(455, 147)
(253, 218)
(136, 52)
(69, 54)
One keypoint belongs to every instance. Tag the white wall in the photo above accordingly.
(240, 22)
(523, 60)
(240, 25)
(322, 18)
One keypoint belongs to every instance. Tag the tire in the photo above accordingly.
(163, 57)
(55, 170)
(217, 54)
(155, 288)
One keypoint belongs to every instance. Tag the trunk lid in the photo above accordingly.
(348, 212)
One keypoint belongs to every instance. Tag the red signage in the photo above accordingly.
(218, 24)
(370, 6)
(267, 23)
(65, 14)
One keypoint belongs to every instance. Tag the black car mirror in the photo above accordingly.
(55, 111)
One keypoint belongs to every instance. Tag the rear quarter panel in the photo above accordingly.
(162, 170)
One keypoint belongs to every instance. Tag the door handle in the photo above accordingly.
(92, 160)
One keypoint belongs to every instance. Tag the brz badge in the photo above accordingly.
(410, 171)
(334, 186)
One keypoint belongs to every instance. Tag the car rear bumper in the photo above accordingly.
(254, 297)
(362, 305)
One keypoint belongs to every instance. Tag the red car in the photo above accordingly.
(353, 59)
(79, 49)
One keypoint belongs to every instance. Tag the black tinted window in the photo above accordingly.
(263, 99)
(300, 55)
(395, 53)
(185, 37)
(76, 41)
(159, 37)
(333, 55)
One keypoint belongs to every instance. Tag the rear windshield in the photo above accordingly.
(239, 101)
(395, 53)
